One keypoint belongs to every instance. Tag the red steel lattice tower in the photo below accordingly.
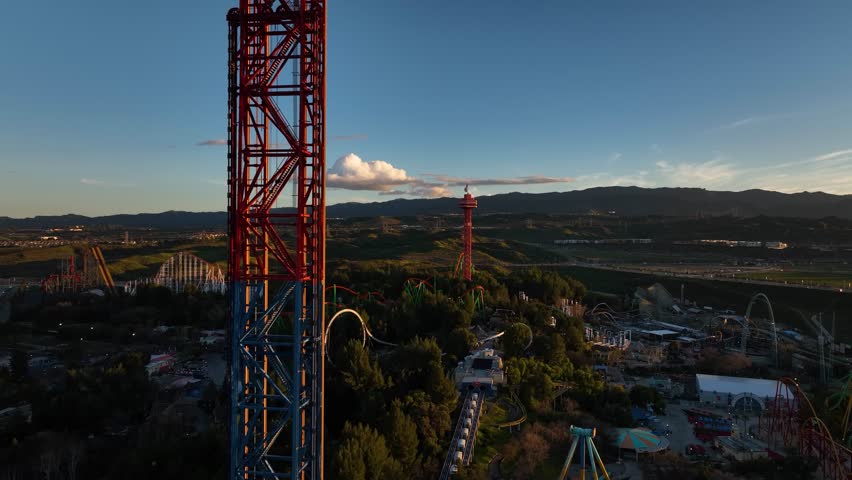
(467, 203)
(276, 264)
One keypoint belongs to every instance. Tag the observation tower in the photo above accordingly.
(467, 203)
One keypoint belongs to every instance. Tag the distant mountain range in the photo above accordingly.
(625, 201)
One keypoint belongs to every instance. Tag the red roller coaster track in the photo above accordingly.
(361, 296)
(791, 422)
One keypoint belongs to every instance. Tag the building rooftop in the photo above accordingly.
(660, 332)
(736, 385)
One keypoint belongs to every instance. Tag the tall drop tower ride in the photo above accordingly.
(467, 203)
(276, 258)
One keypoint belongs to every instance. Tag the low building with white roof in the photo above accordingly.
(735, 392)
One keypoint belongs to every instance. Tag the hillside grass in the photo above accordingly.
(124, 262)
(804, 277)
(489, 437)
(429, 249)
(31, 262)
(440, 248)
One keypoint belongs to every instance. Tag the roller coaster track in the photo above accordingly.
(365, 332)
(477, 293)
(500, 334)
(791, 419)
(418, 282)
(416, 288)
(523, 418)
(843, 400)
(102, 269)
(469, 421)
(458, 265)
(358, 295)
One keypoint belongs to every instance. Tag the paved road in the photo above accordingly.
(682, 432)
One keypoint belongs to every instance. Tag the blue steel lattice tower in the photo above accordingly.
(276, 264)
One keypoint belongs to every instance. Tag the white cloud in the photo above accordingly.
(524, 180)
(104, 183)
(743, 122)
(699, 174)
(833, 155)
(616, 156)
(606, 179)
(213, 142)
(739, 123)
(353, 173)
(829, 172)
(421, 189)
(428, 190)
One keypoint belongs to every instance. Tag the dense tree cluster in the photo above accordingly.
(641, 396)
(538, 382)
(72, 422)
(546, 286)
(716, 362)
(529, 450)
(389, 413)
(95, 398)
(392, 415)
(406, 390)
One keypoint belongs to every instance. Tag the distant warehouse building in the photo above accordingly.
(735, 392)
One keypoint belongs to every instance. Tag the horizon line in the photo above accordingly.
(436, 198)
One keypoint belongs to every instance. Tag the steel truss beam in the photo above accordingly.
(276, 264)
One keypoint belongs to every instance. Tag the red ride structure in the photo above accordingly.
(467, 203)
(276, 264)
(790, 422)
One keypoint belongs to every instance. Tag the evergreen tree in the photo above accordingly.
(364, 455)
(401, 433)
(360, 372)
(460, 342)
(515, 340)
(433, 421)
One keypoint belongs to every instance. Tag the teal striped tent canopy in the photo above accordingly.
(640, 440)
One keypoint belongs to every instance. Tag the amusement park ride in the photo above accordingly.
(589, 458)
(276, 257)
(791, 422)
(842, 401)
(467, 204)
(92, 273)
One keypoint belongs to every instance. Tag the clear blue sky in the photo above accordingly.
(103, 104)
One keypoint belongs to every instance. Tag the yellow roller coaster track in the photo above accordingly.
(102, 268)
